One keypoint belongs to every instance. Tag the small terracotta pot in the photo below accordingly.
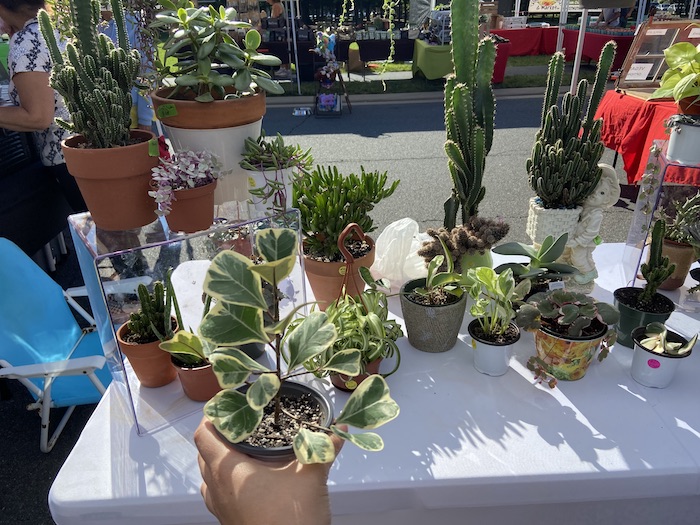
(689, 106)
(199, 383)
(114, 181)
(682, 256)
(190, 114)
(348, 384)
(150, 364)
(193, 209)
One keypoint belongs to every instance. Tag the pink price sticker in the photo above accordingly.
(653, 363)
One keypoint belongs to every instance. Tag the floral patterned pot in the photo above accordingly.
(567, 358)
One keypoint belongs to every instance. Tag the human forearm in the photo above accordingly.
(16, 118)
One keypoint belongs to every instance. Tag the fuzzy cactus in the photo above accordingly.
(658, 268)
(469, 112)
(563, 167)
(93, 75)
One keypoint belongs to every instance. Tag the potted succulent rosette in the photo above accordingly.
(258, 397)
(657, 354)
(183, 189)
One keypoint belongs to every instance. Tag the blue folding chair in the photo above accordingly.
(42, 345)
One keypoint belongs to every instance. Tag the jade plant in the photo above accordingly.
(329, 201)
(235, 283)
(657, 269)
(542, 264)
(563, 167)
(469, 112)
(655, 340)
(200, 42)
(94, 76)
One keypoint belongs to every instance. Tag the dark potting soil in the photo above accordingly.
(510, 335)
(303, 410)
(434, 298)
(630, 297)
(596, 327)
(356, 248)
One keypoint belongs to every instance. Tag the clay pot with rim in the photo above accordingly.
(115, 181)
(327, 279)
(682, 255)
(150, 364)
(192, 210)
(198, 382)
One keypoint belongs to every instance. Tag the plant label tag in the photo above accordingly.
(639, 71)
(656, 32)
(166, 110)
(694, 33)
(153, 150)
(351, 385)
(556, 285)
(473, 344)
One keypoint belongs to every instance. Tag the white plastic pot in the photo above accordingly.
(490, 359)
(259, 207)
(683, 144)
(652, 369)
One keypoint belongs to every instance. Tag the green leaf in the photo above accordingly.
(275, 244)
(263, 391)
(313, 447)
(232, 367)
(271, 86)
(233, 325)
(274, 272)
(369, 406)
(515, 248)
(252, 39)
(265, 60)
(346, 362)
(554, 251)
(367, 441)
(185, 343)
(232, 416)
(311, 337)
(229, 279)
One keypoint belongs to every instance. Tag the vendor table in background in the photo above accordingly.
(630, 125)
(436, 61)
(530, 40)
(593, 44)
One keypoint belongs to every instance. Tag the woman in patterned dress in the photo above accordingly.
(35, 103)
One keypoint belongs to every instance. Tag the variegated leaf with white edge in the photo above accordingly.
(346, 362)
(262, 391)
(233, 325)
(232, 416)
(313, 335)
(313, 447)
(232, 367)
(229, 279)
(366, 441)
(369, 406)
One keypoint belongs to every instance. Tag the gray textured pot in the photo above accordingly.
(431, 328)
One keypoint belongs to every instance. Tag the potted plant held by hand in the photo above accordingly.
(335, 221)
(184, 186)
(493, 331)
(260, 410)
(569, 329)
(657, 353)
(641, 306)
(433, 307)
(111, 163)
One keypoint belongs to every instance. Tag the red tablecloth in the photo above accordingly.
(593, 44)
(630, 125)
(523, 42)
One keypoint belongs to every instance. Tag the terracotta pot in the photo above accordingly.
(150, 364)
(199, 383)
(348, 384)
(190, 114)
(193, 209)
(567, 358)
(431, 328)
(114, 181)
(327, 278)
(682, 256)
(631, 318)
(689, 106)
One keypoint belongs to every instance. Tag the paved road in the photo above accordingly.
(405, 139)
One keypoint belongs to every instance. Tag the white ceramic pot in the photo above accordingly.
(259, 207)
(228, 145)
(491, 359)
(683, 144)
(542, 222)
(652, 369)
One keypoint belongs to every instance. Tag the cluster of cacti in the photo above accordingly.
(478, 234)
(658, 268)
(563, 168)
(329, 201)
(93, 75)
(687, 213)
(153, 319)
(469, 112)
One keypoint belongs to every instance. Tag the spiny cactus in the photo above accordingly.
(563, 167)
(658, 268)
(469, 111)
(153, 320)
(93, 76)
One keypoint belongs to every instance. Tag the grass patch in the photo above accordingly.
(391, 66)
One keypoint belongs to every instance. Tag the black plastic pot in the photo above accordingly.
(631, 318)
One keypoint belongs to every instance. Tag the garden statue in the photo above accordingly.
(585, 238)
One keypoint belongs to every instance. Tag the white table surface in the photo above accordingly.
(466, 448)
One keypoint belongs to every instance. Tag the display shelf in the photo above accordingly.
(113, 264)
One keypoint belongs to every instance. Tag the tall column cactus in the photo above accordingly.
(93, 75)
(469, 112)
(563, 167)
(658, 268)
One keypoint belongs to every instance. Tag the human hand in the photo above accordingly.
(241, 490)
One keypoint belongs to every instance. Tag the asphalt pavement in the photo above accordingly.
(403, 136)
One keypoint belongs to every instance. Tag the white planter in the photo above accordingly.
(228, 145)
(542, 222)
(652, 369)
(491, 359)
(259, 207)
(683, 144)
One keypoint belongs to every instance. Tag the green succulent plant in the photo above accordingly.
(441, 287)
(237, 318)
(543, 263)
(655, 339)
(563, 167)
(200, 41)
(94, 76)
(153, 320)
(658, 268)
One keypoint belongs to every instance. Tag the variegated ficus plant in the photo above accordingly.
(245, 312)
